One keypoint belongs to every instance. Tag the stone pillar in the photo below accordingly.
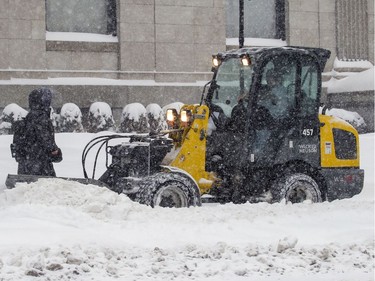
(352, 29)
(303, 23)
(209, 32)
(327, 29)
(26, 34)
(4, 39)
(136, 35)
(174, 23)
(169, 40)
(370, 15)
(187, 33)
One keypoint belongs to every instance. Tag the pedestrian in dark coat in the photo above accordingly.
(40, 149)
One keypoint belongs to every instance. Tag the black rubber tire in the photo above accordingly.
(296, 188)
(168, 190)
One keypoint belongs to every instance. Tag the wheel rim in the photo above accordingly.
(170, 196)
(299, 194)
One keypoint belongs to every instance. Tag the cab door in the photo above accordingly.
(305, 138)
(274, 113)
(285, 120)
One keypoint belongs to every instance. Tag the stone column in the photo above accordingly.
(26, 35)
(352, 29)
(304, 23)
(209, 32)
(187, 33)
(169, 41)
(4, 39)
(327, 29)
(370, 15)
(136, 37)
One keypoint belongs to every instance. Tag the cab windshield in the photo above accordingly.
(228, 90)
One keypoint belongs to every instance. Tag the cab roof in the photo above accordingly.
(322, 55)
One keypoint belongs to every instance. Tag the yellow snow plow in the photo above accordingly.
(245, 143)
(256, 135)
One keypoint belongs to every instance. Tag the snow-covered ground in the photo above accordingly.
(60, 230)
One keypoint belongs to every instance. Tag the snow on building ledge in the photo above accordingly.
(255, 42)
(80, 37)
(360, 80)
(353, 90)
(96, 82)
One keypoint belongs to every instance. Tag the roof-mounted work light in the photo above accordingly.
(215, 61)
(245, 60)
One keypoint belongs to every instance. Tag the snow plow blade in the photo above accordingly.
(12, 180)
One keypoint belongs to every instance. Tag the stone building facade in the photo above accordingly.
(155, 38)
(165, 44)
(159, 40)
(345, 27)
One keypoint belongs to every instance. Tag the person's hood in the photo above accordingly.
(40, 99)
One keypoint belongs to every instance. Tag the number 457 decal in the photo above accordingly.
(308, 132)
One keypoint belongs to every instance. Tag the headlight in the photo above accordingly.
(186, 117)
(172, 118)
(171, 115)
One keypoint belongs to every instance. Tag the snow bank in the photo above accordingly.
(363, 81)
(67, 231)
(352, 64)
(98, 202)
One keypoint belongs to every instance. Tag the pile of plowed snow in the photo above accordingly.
(98, 202)
(63, 230)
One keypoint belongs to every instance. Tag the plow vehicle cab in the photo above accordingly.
(260, 135)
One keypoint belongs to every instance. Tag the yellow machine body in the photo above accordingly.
(190, 143)
(328, 149)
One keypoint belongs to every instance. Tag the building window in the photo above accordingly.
(87, 16)
(263, 19)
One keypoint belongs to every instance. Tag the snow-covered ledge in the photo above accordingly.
(353, 90)
(80, 37)
(83, 42)
(256, 42)
(360, 78)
